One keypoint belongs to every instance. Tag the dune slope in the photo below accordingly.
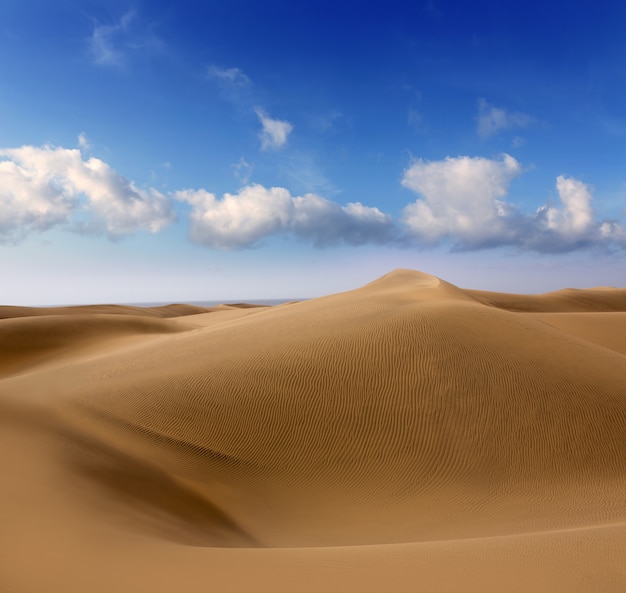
(445, 431)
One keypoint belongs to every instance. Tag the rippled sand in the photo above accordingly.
(408, 435)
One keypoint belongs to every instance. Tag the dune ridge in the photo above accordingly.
(409, 424)
(163, 311)
(568, 300)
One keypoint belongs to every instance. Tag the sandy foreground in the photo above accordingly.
(405, 436)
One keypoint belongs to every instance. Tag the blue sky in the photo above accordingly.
(157, 151)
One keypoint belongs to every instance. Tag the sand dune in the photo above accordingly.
(26, 342)
(165, 311)
(407, 435)
(568, 300)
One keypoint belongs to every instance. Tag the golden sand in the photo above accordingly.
(406, 436)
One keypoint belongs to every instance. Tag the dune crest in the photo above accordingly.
(568, 300)
(401, 277)
(164, 311)
(408, 416)
(415, 285)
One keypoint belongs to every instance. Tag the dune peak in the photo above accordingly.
(401, 276)
(415, 286)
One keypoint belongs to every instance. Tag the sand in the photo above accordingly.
(405, 436)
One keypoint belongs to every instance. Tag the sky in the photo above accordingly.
(185, 151)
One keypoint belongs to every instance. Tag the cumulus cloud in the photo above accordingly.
(243, 219)
(573, 224)
(576, 216)
(274, 132)
(41, 187)
(463, 199)
(492, 119)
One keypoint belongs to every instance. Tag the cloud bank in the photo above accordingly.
(44, 187)
(463, 200)
(243, 219)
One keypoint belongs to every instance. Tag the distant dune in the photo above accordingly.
(165, 311)
(409, 435)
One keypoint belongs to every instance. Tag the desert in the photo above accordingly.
(406, 435)
(308, 297)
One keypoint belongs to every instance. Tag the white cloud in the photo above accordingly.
(41, 187)
(30, 201)
(492, 119)
(576, 216)
(243, 219)
(573, 224)
(275, 131)
(463, 199)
